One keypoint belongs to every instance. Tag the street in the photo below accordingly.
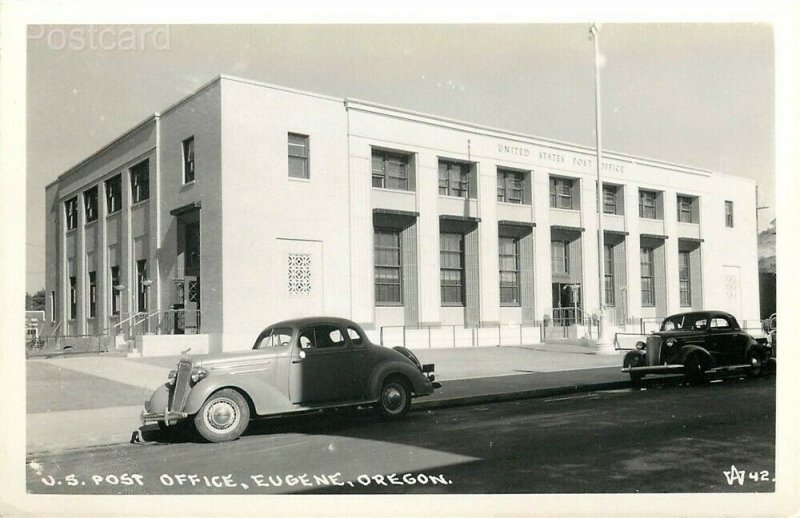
(666, 437)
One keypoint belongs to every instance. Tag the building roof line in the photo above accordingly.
(281, 88)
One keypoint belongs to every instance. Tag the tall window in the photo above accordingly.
(729, 214)
(90, 204)
(114, 290)
(685, 209)
(71, 209)
(113, 194)
(92, 294)
(388, 273)
(140, 181)
(559, 256)
(53, 306)
(454, 179)
(298, 156)
(684, 274)
(451, 262)
(648, 286)
(188, 160)
(610, 199)
(510, 186)
(561, 193)
(389, 170)
(609, 274)
(141, 278)
(647, 204)
(73, 298)
(509, 271)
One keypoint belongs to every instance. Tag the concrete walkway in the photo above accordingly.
(468, 375)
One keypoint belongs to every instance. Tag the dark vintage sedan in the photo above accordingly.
(301, 365)
(696, 344)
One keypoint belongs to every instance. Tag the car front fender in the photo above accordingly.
(266, 398)
(688, 350)
(420, 385)
(634, 359)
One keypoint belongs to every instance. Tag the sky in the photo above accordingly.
(700, 95)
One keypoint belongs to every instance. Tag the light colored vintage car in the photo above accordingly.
(294, 366)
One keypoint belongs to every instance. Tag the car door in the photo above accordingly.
(321, 368)
(363, 363)
(723, 338)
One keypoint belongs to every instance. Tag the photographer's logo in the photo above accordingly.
(89, 37)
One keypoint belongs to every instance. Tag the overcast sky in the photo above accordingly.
(695, 94)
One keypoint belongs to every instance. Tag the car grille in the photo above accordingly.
(653, 350)
(181, 389)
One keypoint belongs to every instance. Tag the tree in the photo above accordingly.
(35, 301)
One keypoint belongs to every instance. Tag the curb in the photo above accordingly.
(503, 397)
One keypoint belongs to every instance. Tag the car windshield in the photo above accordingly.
(696, 322)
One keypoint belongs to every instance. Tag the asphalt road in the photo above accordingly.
(666, 438)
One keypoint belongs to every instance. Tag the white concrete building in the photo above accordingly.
(246, 203)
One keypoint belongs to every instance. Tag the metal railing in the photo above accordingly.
(441, 336)
(52, 345)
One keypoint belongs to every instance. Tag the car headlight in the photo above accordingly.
(171, 377)
(640, 346)
(198, 374)
(670, 342)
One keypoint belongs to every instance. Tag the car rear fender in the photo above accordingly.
(266, 398)
(695, 349)
(406, 370)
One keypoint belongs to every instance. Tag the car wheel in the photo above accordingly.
(756, 364)
(695, 369)
(395, 399)
(223, 417)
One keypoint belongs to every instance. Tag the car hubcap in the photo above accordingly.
(754, 362)
(222, 414)
(393, 399)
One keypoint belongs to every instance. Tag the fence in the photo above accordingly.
(50, 345)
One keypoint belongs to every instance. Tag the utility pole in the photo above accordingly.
(603, 341)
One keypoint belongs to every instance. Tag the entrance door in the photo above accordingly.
(186, 299)
(566, 303)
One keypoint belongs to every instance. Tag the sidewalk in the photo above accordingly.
(77, 402)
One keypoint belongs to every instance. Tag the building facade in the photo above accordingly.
(246, 203)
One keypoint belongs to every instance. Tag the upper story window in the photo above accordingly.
(647, 204)
(611, 202)
(90, 204)
(510, 186)
(188, 160)
(559, 256)
(71, 210)
(686, 206)
(562, 193)
(298, 156)
(113, 194)
(390, 170)
(729, 214)
(140, 181)
(454, 178)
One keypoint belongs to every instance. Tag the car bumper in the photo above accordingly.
(654, 369)
(157, 409)
(169, 418)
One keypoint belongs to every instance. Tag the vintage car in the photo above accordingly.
(294, 366)
(696, 344)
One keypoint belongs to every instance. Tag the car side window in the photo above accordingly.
(321, 337)
(355, 337)
(274, 338)
(719, 323)
(701, 324)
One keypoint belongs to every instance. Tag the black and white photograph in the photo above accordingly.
(392, 261)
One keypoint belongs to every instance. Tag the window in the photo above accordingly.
(729, 214)
(684, 274)
(451, 263)
(140, 181)
(321, 337)
(647, 204)
(355, 336)
(298, 156)
(142, 284)
(610, 199)
(92, 294)
(53, 306)
(114, 290)
(90, 204)
(685, 205)
(73, 298)
(648, 286)
(454, 179)
(387, 268)
(609, 274)
(389, 170)
(561, 193)
(510, 186)
(509, 271)
(278, 337)
(719, 323)
(299, 274)
(188, 160)
(71, 209)
(559, 254)
(113, 194)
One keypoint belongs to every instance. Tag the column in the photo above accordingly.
(362, 292)
(428, 233)
(487, 253)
